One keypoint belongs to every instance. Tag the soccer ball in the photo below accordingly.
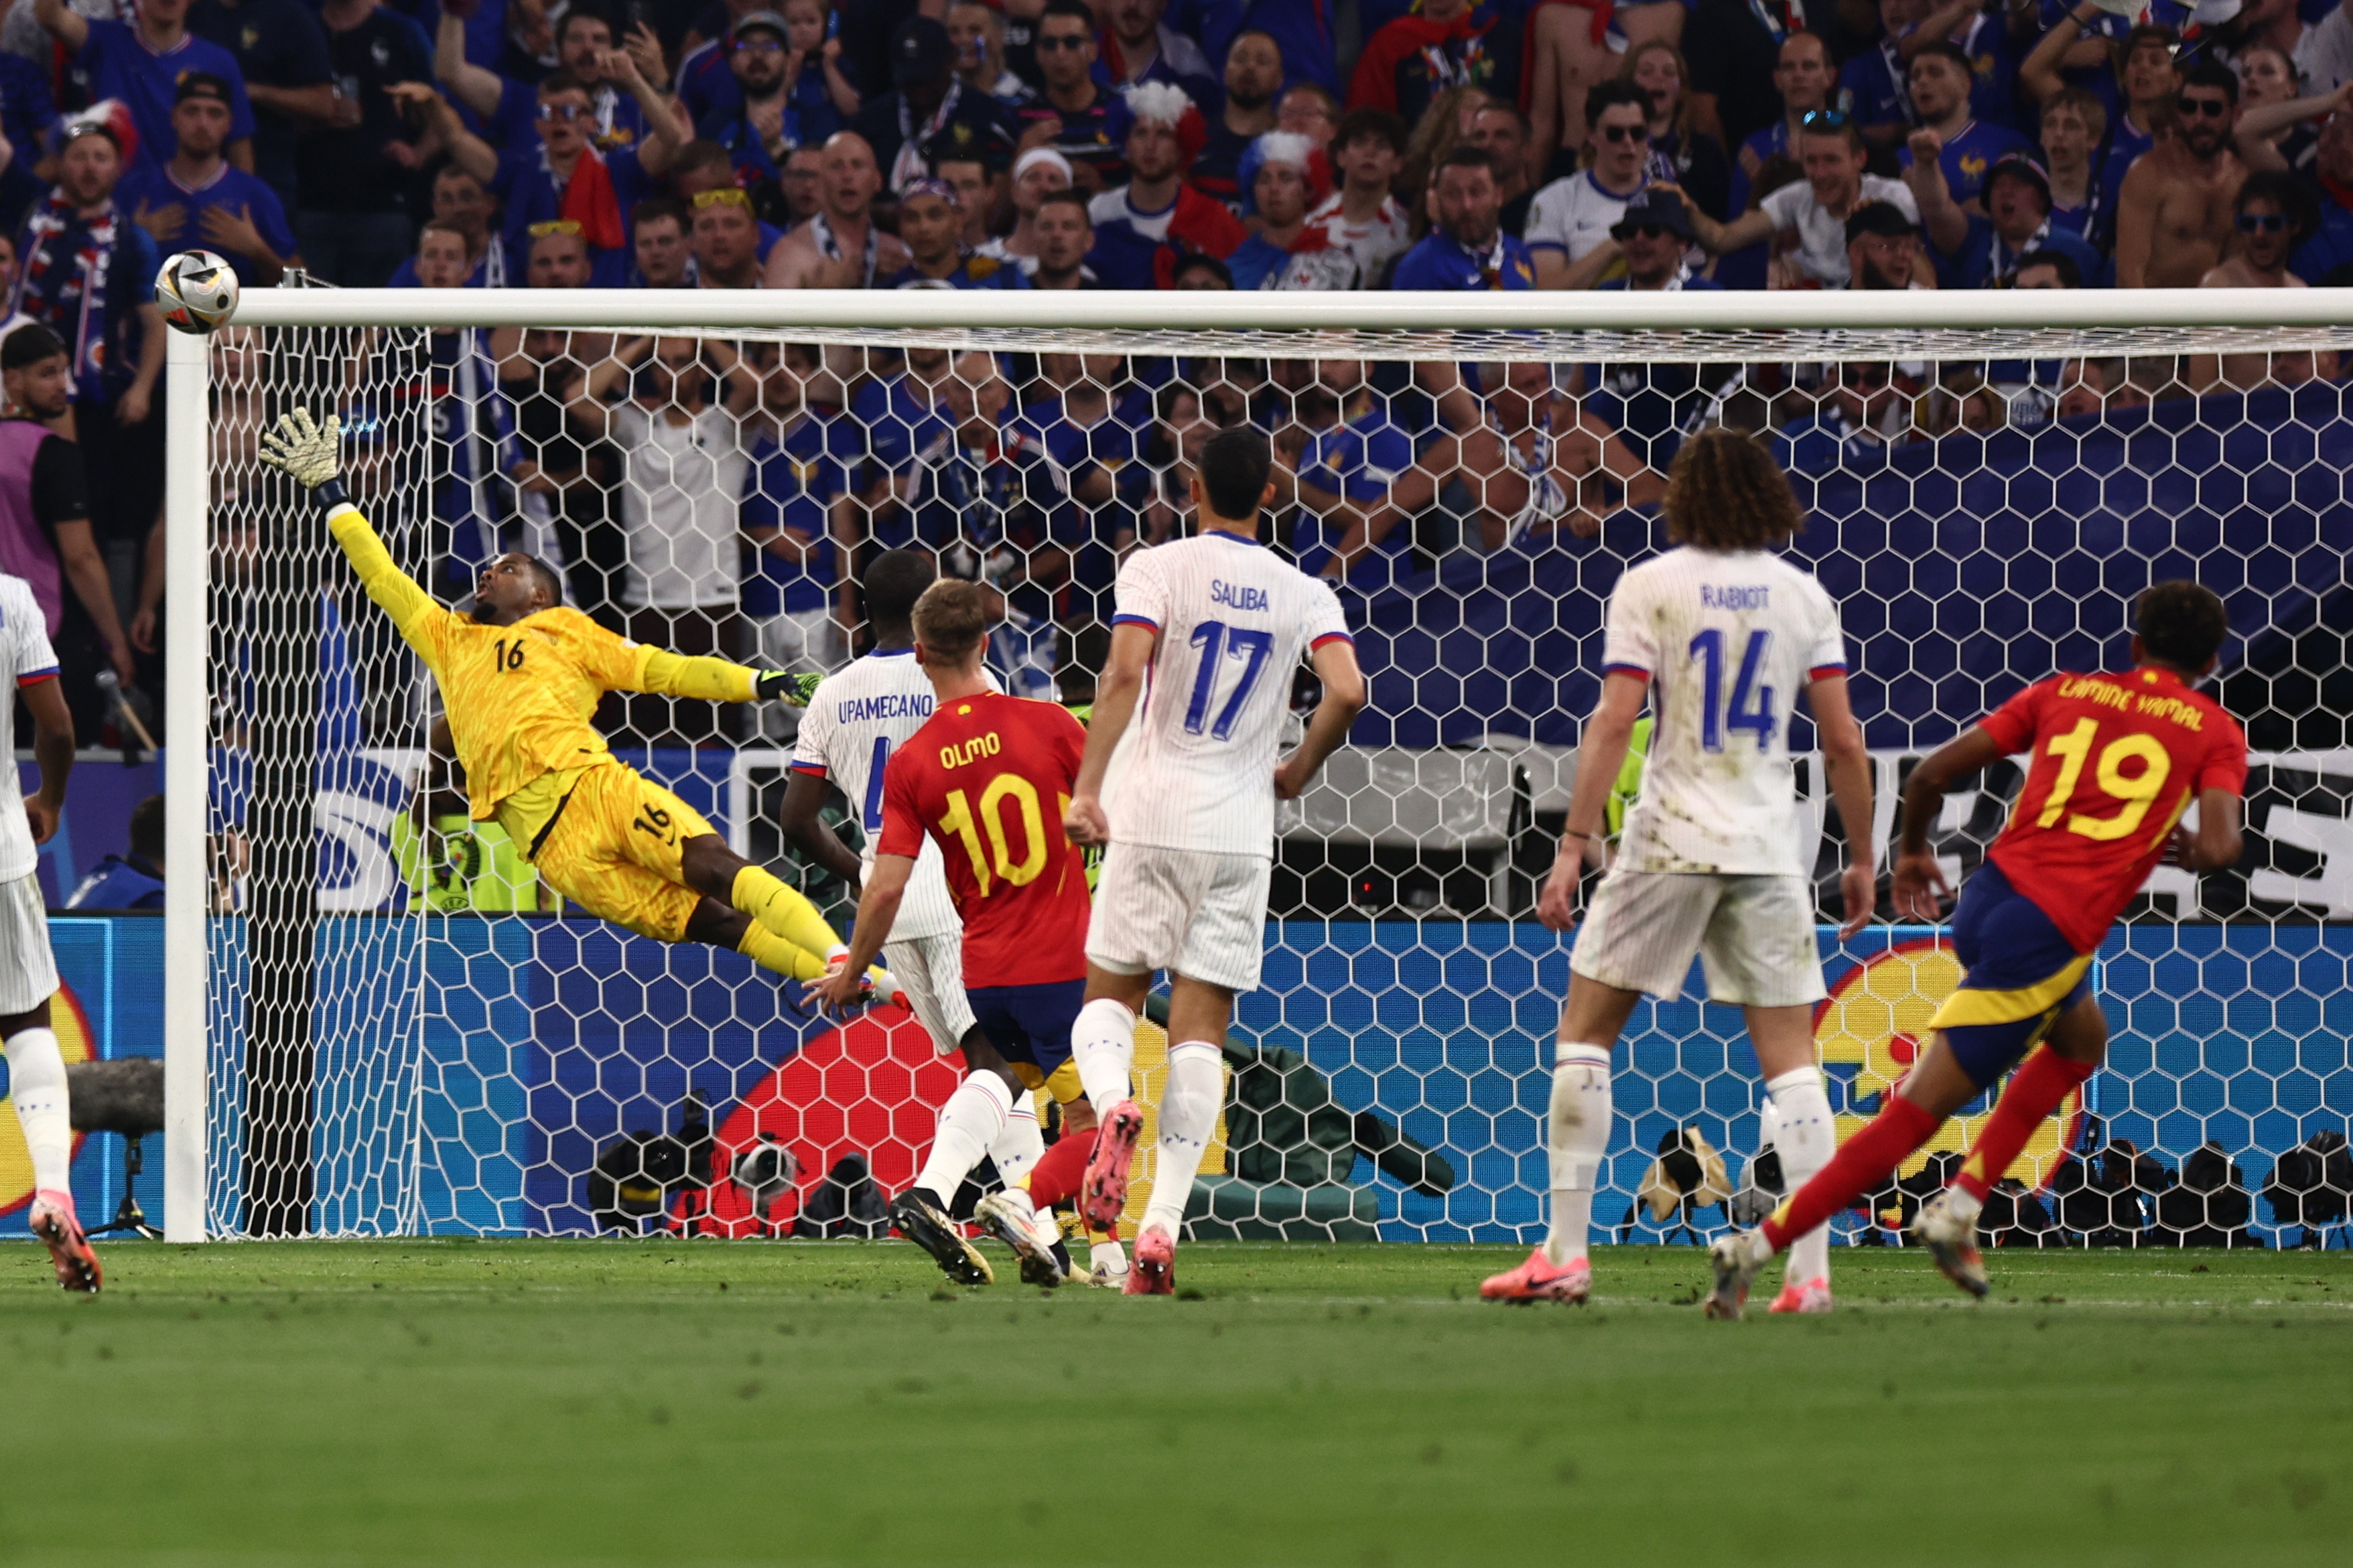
(196, 291)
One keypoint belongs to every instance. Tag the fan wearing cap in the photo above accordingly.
(1142, 228)
(1074, 116)
(929, 114)
(1816, 208)
(1653, 405)
(824, 97)
(198, 199)
(763, 122)
(1965, 146)
(140, 63)
(931, 226)
(1974, 252)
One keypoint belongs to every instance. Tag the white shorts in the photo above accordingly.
(29, 974)
(930, 970)
(1190, 911)
(1755, 936)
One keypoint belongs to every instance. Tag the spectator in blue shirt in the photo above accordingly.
(1301, 29)
(200, 200)
(818, 99)
(1136, 46)
(141, 63)
(1653, 405)
(134, 880)
(1467, 251)
(1983, 252)
(791, 495)
(931, 226)
(1967, 146)
(590, 49)
(281, 51)
(27, 114)
(1874, 81)
(1352, 481)
(762, 122)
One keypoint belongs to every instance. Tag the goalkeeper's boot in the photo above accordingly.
(915, 1215)
(1013, 1219)
(1812, 1296)
(1541, 1280)
(52, 1219)
(1736, 1257)
(1103, 1194)
(1946, 1226)
(1154, 1270)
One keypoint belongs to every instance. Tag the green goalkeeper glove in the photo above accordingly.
(308, 452)
(795, 689)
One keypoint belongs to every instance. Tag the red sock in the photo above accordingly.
(1054, 1179)
(2036, 1091)
(1863, 1164)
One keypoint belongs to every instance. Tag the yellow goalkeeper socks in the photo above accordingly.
(782, 910)
(766, 948)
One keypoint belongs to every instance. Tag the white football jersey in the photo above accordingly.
(1573, 215)
(25, 644)
(1727, 641)
(1197, 769)
(856, 717)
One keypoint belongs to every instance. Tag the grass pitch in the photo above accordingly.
(459, 1403)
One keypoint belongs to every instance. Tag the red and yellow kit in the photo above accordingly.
(2117, 760)
(989, 777)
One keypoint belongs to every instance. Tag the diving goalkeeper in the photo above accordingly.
(520, 678)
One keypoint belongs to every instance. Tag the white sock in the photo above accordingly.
(1108, 1255)
(969, 1123)
(1189, 1116)
(1806, 1139)
(1103, 1042)
(1019, 1145)
(1578, 1138)
(37, 1084)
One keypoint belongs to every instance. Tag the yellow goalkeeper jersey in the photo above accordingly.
(520, 698)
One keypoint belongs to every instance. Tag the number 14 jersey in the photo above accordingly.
(2116, 759)
(1727, 640)
(1196, 770)
(988, 779)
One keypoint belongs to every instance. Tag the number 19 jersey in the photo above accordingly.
(988, 779)
(1728, 640)
(1233, 619)
(2116, 759)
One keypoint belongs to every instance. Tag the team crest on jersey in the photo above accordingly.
(76, 1044)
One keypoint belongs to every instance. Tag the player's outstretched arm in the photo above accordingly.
(310, 454)
(1918, 880)
(1600, 754)
(1327, 727)
(878, 910)
(1848, 763)
(714, 679)
(1116, 691)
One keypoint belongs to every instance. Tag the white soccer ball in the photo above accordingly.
(196, 291)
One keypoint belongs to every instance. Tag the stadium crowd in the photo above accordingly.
(1324, 144)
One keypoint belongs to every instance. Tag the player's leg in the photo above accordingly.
(1808, 1139)
(1142, 904)
(1199, 1012)
(969, 1123)
(1637, 937)
(37, 1080)
(1026, 1031)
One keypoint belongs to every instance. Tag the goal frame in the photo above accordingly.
(1603, 326)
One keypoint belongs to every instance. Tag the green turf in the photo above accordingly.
(498, 1402)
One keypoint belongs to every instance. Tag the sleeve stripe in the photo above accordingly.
(1820, 670)
(814, 770)
(1127, 620)
(1625, 669)
(1332, 636)
(35, 677)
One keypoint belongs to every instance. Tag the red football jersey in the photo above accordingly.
(989, 778)
(2117, 760)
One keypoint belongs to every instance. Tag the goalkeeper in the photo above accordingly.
(520, 678)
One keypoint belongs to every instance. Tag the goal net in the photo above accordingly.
(383, 1022)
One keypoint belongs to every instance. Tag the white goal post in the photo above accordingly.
(1608, 327)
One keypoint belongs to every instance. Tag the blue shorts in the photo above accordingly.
(1029, 1025)
(2021, 974)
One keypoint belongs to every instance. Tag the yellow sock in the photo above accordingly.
(782, 910)
(764, 947)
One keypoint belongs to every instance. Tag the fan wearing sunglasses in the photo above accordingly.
(1569, 221)
(2175, 217)
(2275, 212)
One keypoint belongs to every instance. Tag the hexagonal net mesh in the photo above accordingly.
(415, 1026)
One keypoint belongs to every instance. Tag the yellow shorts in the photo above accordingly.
(1062, 1083)
(615, 851)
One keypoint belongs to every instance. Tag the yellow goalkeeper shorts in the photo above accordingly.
(615, 851)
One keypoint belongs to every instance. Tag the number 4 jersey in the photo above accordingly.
(2116, 759)
(1728, 640)
(988, 780)
(1233, 620)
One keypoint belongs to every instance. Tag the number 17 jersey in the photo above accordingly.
(988, 779)
(1727, 640)
(1233, 620)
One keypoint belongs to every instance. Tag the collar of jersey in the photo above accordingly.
(892, 652)
(1235, 538)
(2158, 673)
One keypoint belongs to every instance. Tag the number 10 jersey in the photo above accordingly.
(1196, 770)
(1727, 640)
